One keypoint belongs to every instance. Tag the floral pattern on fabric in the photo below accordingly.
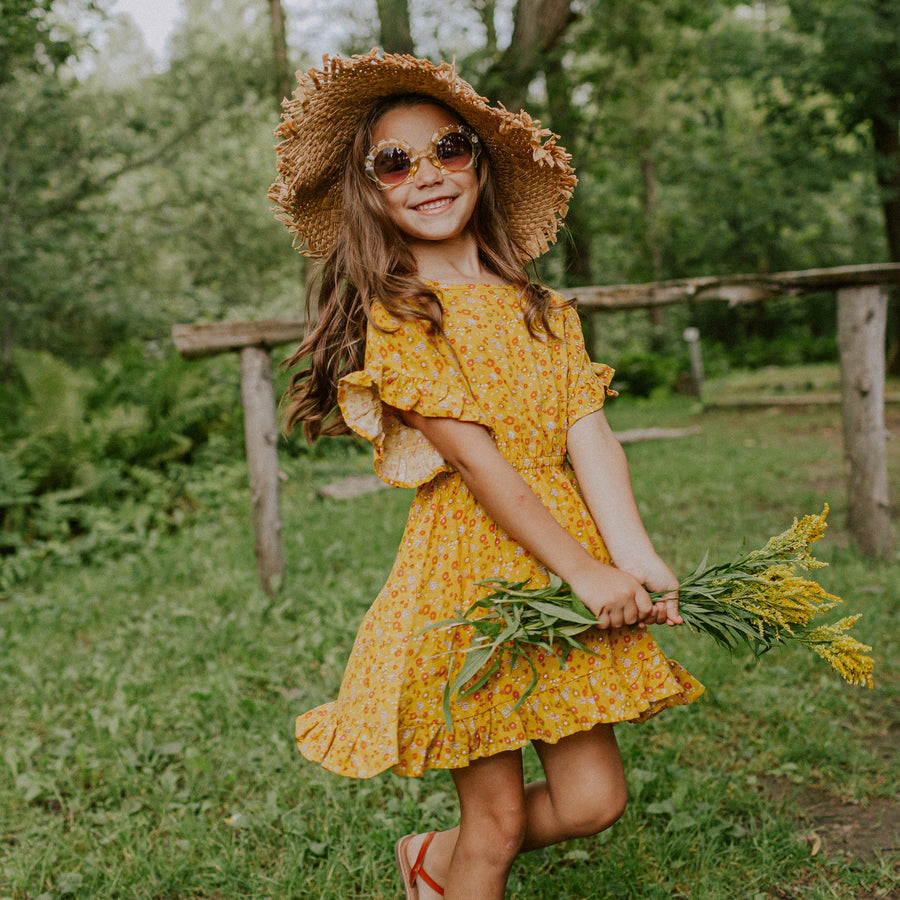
(484, 368)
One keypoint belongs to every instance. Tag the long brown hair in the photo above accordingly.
(370, 262)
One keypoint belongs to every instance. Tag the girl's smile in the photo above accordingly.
(436, 204)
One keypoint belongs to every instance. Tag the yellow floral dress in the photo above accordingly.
(485, 368)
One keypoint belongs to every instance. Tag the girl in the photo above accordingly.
(473, 385)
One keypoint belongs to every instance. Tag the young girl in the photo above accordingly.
(473, 385)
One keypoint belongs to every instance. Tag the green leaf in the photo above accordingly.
(564, 611)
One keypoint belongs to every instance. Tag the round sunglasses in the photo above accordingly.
(392, 163)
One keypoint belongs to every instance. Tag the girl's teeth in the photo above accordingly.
(435, 204)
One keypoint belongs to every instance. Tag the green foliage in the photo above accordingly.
(857, 60)
(786, 332)
(129, 204)
(701, 150)
(100, 460)
(96, 460)
(504, 624)
(32, 39)
(641, 374)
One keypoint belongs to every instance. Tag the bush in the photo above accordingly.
(643, 374)
(96, 458)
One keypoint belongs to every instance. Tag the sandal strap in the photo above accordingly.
(418, 870)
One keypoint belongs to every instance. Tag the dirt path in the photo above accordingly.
(836, 827)
(843, 827)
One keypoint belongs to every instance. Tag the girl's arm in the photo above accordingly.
(614, 596)
(602, 472)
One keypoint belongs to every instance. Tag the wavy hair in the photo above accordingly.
(371, 261)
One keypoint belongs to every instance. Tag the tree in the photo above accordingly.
(283, 79)
(32, 39)
(35, 45)
(538, 28)
(127, 207)
(396, 31)
(858, 61)
(614, 98)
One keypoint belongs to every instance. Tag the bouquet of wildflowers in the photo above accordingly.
(756, 600)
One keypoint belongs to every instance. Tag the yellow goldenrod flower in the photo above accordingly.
(762, 590)
(842, 651)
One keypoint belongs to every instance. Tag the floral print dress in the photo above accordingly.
(484, 368)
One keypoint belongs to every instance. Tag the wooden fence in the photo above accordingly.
(862, 293)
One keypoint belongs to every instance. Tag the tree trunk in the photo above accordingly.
(538, 27)
(396, 34)
(486, 10)
(649, 203)
(651, 231)
(6, 292)
(862, 314)
(577, 233)
(886, 141)
(283, 78)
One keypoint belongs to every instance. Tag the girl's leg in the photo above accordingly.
(491, 826)
(585, 791)
(473, 860)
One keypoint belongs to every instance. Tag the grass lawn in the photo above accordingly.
(148, 703)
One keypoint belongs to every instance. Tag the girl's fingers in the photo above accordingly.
(673, 617)
(660, 612)
(665, 612)
(644, 605)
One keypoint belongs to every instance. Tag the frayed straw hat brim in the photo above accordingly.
(533, 175)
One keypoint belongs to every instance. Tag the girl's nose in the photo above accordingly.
(427, 173)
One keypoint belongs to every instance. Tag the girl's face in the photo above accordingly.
(436, 204)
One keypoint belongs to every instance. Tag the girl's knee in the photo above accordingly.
(493, 814)
(494, 834)
(585, 781)
(598, 808)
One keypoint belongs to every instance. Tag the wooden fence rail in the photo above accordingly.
(734, 289)
(862, 293)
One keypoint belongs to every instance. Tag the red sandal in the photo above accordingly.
(410, 873)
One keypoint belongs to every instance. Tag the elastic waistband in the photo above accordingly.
(525, 461)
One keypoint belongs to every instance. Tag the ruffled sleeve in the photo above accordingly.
(588, 382)
(408, 368)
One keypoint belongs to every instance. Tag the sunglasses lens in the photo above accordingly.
(454, 151)
(391, 166)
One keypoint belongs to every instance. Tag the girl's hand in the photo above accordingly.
(614, 596)
(655, 575)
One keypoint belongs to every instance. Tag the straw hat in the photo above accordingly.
(533, 175)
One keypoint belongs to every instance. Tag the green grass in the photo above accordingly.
(779, 381)
(148, 701)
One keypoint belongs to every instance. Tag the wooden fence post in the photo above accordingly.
(862, 318)
(261, 442)
(692, 337)
(253, 340)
